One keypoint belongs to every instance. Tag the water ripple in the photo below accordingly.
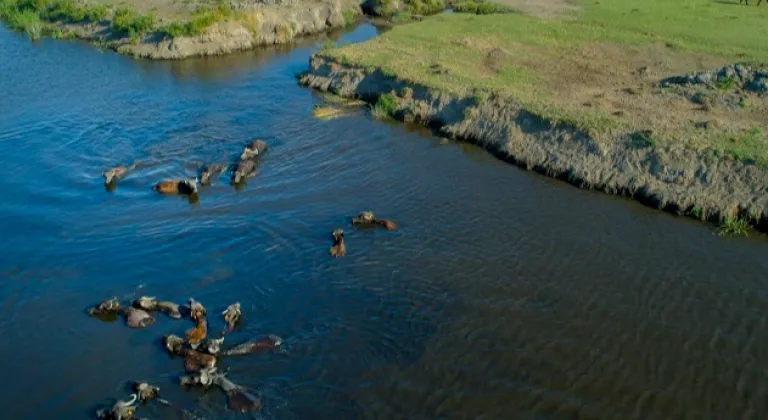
(502, 295)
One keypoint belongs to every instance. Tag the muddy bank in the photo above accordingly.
(673, 179)
(251, 26)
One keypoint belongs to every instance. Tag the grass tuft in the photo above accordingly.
(203, 18)
(425, 7)
(403, 10)
(26, 21)
(480, 7)
(734, 227)
(128, 22)
(644, 140)
(744, 102)
(748, 146)
(68, 11)
(480, 96)
(695, 212)
(350, 18)
(386, 106)
(725, 83)
(378, 111)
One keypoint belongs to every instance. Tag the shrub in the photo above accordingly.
(130, 23)
(37, 6)
(378, 111)
(734, 226)
(68, 11)
(695, 212)
(349, 18)
(6, 7)
(479, 7)
(96, 13)
(177, 29)
(725, 83)
(201, 20)
(122, 21)
(194, 27)
(144, 23)
(385, 8)
(29, 16)
(27, 21)
(425, 7)
(385, 106)
(744, 102)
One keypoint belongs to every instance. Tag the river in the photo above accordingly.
(504, 294)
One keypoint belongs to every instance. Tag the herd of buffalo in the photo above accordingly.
(200, 352)
(243, 169)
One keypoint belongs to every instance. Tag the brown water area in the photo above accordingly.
(503, 295)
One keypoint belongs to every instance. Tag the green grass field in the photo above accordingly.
(701, 26)
(552, 65)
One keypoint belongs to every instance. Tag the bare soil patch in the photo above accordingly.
(624, 83)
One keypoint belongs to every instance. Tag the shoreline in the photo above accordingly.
(238, 30)
(673, 179)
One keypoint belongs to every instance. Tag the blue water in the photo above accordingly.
(503, 295)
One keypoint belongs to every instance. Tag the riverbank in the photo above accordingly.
(160, 29)
(606, 99)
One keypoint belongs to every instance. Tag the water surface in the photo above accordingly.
(503, 295)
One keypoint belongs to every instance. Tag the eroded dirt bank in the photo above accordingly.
(677, 180)
(254, 25)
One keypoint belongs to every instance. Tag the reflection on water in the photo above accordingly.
(504, 294)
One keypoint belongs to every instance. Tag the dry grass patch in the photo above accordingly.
(251, 21)
(545, 9)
